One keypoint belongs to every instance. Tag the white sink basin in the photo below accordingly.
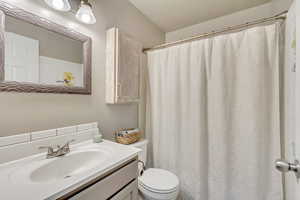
(68, 166)
(60, 168)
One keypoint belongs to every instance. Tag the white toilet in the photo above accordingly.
(156, 184)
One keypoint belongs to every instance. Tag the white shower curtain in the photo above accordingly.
(214, 115)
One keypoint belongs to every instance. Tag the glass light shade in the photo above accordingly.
(61, 5)
(85, 14)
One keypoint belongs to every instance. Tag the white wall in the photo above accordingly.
(265, 10)
(26, 67)
(31, 112)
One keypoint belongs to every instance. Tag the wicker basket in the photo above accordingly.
(128, 138)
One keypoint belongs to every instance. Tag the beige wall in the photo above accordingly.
(281, 5)
(265, 10)
(31, 112)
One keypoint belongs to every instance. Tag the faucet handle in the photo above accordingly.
(49, 148)
(68, 143)
(71, 141)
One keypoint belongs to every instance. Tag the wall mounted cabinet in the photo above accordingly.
(123, 60)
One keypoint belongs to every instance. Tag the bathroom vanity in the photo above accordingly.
(120, 184)
(89, 172)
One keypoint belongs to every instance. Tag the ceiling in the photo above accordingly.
(170, 15)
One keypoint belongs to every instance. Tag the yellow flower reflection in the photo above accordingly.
(68, 79)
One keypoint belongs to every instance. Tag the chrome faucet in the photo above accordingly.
(60, 151)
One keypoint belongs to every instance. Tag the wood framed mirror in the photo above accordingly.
(38, 55)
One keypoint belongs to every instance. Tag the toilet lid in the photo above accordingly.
(159, 180)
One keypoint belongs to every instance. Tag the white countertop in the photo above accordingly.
(13, 185)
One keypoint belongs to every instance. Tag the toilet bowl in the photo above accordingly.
(156, 184)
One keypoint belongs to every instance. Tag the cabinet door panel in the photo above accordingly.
(130, 192)
(128, 69)
(123, 63)
(108, 186)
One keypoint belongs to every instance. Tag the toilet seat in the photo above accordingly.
(159, 184)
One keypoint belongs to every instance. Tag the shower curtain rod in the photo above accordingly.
(280, 16)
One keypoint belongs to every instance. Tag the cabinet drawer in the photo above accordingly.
(109, 185)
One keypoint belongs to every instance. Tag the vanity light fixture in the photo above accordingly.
(85, 13)
(61, 5)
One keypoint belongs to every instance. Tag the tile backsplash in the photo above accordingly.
(15, 139)
(18, 146)
(66, 130)
(43, 134)
(83, 127)
(28, 137)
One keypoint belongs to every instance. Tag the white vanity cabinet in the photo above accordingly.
(120, 184)
(123, 60)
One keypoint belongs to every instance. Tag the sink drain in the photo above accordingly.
(68, 176)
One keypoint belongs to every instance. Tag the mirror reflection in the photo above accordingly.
(37, 55)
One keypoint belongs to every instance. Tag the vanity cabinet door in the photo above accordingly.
(122, 179)
(130, 192)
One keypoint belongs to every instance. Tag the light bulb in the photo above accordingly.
(85, 13)
(61, 5)
(86, 18)
(58, 4)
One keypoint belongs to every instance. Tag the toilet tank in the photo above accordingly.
(142, 144)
